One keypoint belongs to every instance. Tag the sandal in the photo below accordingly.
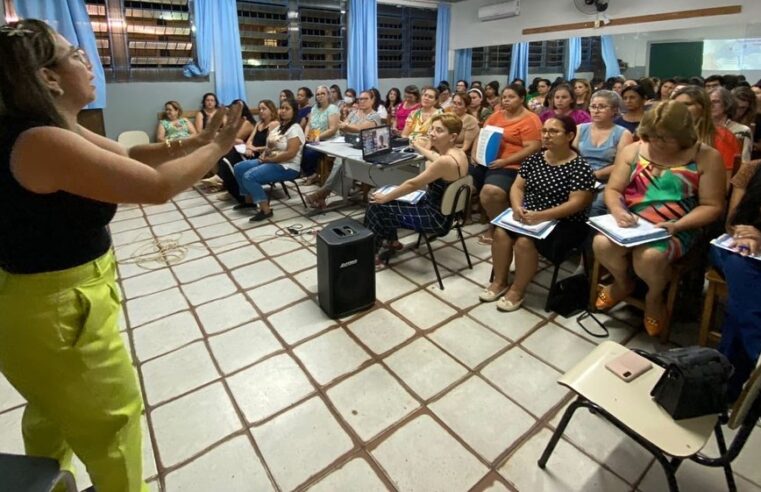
(316, 202)
(605, 300)
(260, 215)
(485, 240)
(653, 327)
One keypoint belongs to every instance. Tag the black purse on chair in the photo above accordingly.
(569, 296)
(694, 383)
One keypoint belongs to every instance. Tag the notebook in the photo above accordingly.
(642, 233)
(725, 241)
(412, 198)
(541, 230)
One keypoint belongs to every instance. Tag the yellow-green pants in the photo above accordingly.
(60, 348)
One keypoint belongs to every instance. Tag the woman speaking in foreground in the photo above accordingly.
(59, 186)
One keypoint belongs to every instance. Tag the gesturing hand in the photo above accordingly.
(224, 133)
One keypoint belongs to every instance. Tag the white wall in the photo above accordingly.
(134, 105)
(468, 32)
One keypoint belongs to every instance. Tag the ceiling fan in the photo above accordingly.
(591, 7)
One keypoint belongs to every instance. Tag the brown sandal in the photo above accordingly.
(605, 299)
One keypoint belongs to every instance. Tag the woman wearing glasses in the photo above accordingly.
(671, 180)
(59, 336)
(599, 141)
(554, 184)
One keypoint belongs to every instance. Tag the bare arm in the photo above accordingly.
(577, 201)
(85, 169)
(289, 153)
(711, 192)
(517, 192)
(191, 127)
(160, 134)
(734, 201)
(529, 147)
(333, 120)
(199, 120)
(469, 137)
(617, 183)
(432, 172)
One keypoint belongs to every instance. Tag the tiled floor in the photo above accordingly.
(250, 387)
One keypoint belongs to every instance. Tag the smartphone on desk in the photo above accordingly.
(629, 366)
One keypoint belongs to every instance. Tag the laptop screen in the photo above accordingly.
(375, 140)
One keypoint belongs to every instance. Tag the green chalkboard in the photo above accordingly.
(676, 59)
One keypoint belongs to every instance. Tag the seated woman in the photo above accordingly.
(555, 184)
(172, 125)
(280, 161)
(520, 138)
(671, 180)
(491, 93)
(419, 121)
(634, 97)
(209, 106)
(741, 332)
(392, 103)
(385, 215)
(410, 104)
(537, 103)
(562, 103)
(478, 107)
(233, 157)
(582, 91)
(322, 125)
(600, 141)
(722, 111)
(358, 120)
(350, 103)
(255, 145)
(721, 139)
(468, 134)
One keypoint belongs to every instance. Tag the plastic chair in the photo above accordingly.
(630, 408)
(33, 474)
(133, 137)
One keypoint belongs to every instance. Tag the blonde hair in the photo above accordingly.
(672, 118)
(175, 105)
(704, 125)
(451, 122)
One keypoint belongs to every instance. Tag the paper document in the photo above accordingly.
(240, 148)
(489, 142)
(725, 241)
(541, 230)
(412, 198)
(641, 233)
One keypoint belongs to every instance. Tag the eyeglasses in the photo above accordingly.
(600, 107)
(553, 132)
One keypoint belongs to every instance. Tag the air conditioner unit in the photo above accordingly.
(499, 10)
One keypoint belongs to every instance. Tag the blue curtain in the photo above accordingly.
(573, 60)
(69, 17)
(519, 62)
(218, 39)
(463, 64)
(609, 57)
(362, 58)
(441, 71)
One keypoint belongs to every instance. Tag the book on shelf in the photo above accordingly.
(642, 232)
(412, 197)
(541, 230)
(725, 241)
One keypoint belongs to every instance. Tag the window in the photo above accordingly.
(406, 41)
(96, 9)
(264, 39)
(546, 56)
(591, 55)
(492, 60)
(158, 33)
(322, 43)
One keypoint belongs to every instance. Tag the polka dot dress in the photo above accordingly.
(548, 186)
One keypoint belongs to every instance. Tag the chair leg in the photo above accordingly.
(706, 318)
(464, 248)
(552, 287)
(433, 259)
(298, 190)
(579, 402)
(285, 190)
(722, 445)
(419, 237)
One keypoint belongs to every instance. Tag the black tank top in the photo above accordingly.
(46, 232)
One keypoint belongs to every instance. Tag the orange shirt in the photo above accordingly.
(524, 129)
(726, 143)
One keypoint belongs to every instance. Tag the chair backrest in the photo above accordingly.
(132, 138)
(750, 393)
(457, 196)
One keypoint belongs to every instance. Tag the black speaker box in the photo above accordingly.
(345, 268)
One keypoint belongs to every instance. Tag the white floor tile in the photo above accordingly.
(390, 285)
(527, 380)
(485, 419)
(207, 220)
(567, 469)
(226, 243)
(557, 346)
(275, 295)
(692, 477)
(330, 355)
(458, 291)
(371, 401)
(243, 346)
(216, 230)
(268, 387)
(467, 341)
(423, 445)
(11, 440)
(163, 218)
(422, 309)
(209, 289)
(193, 270)
(165, 335)
(301, 442)
(381, 330)
(9, 397)
(512, 325)
(183, 427)
(172, 228)
(300, 321)
(297, 260)
(420, 270)
(159, 209)
(308, 280)
(226, 313)
(232, 466)
(177, 373)
(354, 475)
(425, 368)
(148, 283)
(150, 308)
(279, 245)
(255, 274)
(240, 256)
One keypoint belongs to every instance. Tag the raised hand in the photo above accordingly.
(227, 132)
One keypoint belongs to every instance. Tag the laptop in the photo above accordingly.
(376, 147)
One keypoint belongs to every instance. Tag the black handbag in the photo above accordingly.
(569, 296)
(694, 382)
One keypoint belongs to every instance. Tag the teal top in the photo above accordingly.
(318, 118)
(176, 129)
(603, 155)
